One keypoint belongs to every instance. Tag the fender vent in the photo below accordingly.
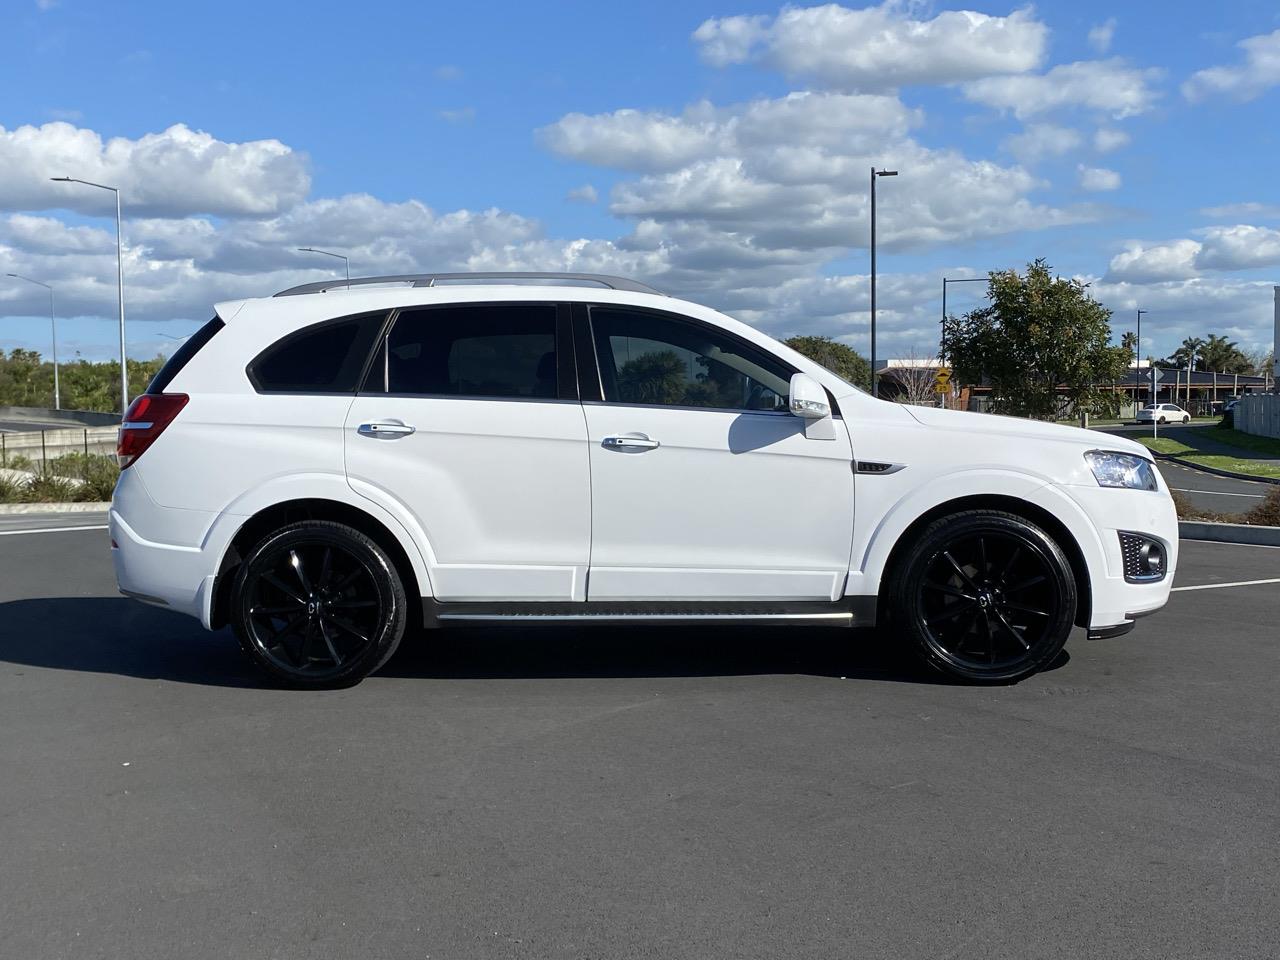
(874, 466)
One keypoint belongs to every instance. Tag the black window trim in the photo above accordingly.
(185, 353)
(566, 369)
(599, 398)
(311, 328)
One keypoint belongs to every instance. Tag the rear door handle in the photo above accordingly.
(385, 429)
(630, 442)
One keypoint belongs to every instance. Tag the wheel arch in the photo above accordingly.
(1032, 512)
(285, 512)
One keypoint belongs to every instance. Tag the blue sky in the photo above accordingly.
(726, 146)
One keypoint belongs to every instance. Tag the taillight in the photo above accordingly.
(145, 420)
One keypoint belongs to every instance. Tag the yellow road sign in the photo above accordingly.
(942, 380)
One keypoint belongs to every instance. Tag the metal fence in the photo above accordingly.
(1259, 414)
(33, 450)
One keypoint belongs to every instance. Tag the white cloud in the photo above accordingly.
(1098, 179)
(583, 194)
(1239, 247)
(462, 115)
(1110, 87)
(1101, 35)
(177, 172)
(1251, 209)
(1040, 140)
(447, 72)
(1106, 139)
(1150, 262)
(1244, 81)
(877, 48)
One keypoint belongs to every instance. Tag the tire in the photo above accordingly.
(983, 597)
(318, 605)
(1162, 420)
(1186, 420)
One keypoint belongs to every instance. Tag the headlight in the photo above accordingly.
(1126, 470)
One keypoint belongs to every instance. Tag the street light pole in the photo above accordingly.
(346, 263)
(1137, 365)
(124, 360)
(875, 384)
(53, 332)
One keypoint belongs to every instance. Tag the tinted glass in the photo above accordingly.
(474, 351)
(189, 348)
(326, 358)
(652, 359)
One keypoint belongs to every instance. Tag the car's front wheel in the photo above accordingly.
(1162, 420)
(318, 604)
(1186, 420)
(984, 596)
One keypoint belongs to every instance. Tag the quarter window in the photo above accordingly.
(325, 358)
(648, 358)
(506, 351)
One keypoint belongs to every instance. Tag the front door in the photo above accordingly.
(703, 486)
(470, 419)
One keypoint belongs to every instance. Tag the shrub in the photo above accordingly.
(17, 461)
(1267, 513)
(46, 488)
(98, 471)
(10, 490)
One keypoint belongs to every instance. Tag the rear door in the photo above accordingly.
(704, 487)
(470, 419)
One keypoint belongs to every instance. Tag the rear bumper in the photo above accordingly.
(161, 574)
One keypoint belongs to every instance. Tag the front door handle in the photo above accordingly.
(385, 429)
(630, 442)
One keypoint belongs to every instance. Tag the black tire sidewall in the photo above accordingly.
(387, 581)
(908, 575)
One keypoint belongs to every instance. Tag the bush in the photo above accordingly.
(98, 471)
(46, 488)
(10, 490)
(1267, 513)
(18, 461)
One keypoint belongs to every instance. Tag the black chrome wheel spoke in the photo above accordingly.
(955, 611)
(982, 553)
(968, 580)
(287, 590)
(1023, 608)
(1026, 584)
(328, 642)
(296, 562)
(1009, 564)
(351, 604)
(349, 628)
(285, 611)
(348, 580)
(951, 591)
(326, 568)
(1012, 630)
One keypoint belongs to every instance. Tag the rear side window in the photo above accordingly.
(189, 348)
(483, 350)
(326, 358)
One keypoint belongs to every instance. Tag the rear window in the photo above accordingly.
(328, 357)
(189, 348)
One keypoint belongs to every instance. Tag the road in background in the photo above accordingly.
(633, 793)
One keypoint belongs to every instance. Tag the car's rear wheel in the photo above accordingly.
(1186, 419)
(318, 604)
(984, 596)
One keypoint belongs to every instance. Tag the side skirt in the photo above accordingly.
(846, 612)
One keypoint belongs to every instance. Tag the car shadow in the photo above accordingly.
(120, 636)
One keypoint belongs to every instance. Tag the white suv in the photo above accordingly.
(329, 467)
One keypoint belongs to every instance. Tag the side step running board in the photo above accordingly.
(848, 612)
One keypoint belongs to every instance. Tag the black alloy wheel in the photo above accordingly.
(984, 596)
(318, 604)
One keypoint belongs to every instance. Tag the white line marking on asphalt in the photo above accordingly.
(1237, 583)
(14, 533)
(1221, 493)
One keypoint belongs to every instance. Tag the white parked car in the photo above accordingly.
(1163, 413)
(331, 466)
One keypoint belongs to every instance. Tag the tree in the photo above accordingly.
(1223, 355)
(916, 379)
(1129, 343)
(26, 380)
(1041, 338)
(840, 358)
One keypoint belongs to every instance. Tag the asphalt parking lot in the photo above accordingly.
(610, 794)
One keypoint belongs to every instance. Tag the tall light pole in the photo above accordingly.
(345, 261)
(124, 360)
(875, 384)
(53, 332)
(1137, 365)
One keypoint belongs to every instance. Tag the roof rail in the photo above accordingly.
(430, 280)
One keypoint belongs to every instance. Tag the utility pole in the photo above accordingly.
(875, 383)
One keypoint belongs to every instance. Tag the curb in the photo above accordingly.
(1229, 533)
(1217, 472)
(17, 509)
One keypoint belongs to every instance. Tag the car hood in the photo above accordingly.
(962, 421)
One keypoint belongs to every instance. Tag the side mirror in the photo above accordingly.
(808, 399)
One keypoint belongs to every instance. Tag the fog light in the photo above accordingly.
(1145, 559)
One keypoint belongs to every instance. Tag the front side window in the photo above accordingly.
(649, 358)
(326, 358)
(482, 350)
